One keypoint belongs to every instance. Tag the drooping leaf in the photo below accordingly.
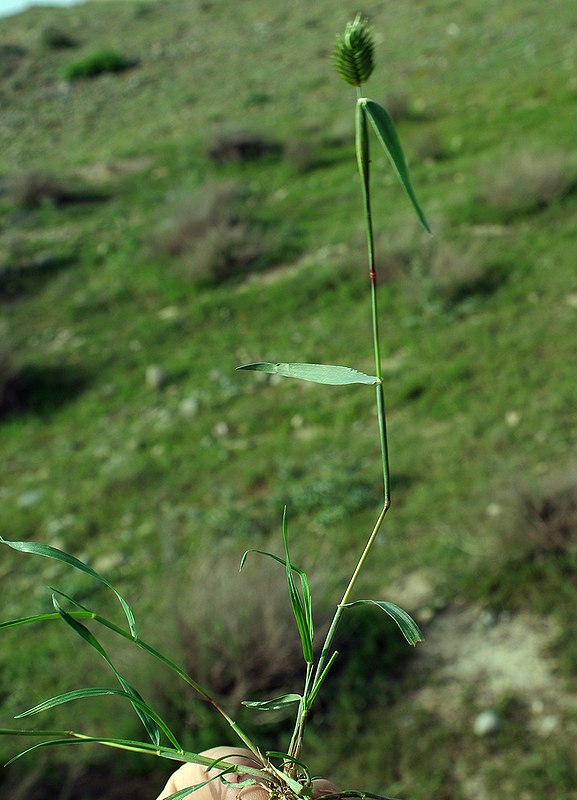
(73, 738)
(81, 694)
(386, 132)
(149, 724)
(132, 745)
(85, 613)
(13, 623)
(283, 701)
(39, 549)
(406, 623)
(315, 373)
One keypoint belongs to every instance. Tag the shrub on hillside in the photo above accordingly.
(459, 273)
(531, 182)
(523, 184)
(236, 634)
(548, 518)
(212, 230)
(34, 188)
(11, 56)
(8, 373)
(97, 63)
(239, 146)
(55, 38)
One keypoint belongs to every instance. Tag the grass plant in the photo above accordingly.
(101, 62)
(141, 483)
(282, 772)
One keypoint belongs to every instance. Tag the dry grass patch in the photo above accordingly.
(35, 188)
(211, 230)
(526, 183)
(236, 147)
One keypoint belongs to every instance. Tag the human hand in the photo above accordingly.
(192, 774)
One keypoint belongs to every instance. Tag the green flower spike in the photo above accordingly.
(353, 52)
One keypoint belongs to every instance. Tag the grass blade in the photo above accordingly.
(39, 549)
(13, 623)
(283, 701)
(80, 694)
(301, 605)
(406, 623)
(131, 745)
(148, 722)
(315, 373)
(386, 132)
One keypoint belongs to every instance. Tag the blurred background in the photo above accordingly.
(178, 195)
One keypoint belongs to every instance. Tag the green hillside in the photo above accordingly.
(196, 206)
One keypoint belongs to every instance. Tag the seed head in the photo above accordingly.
(353, 52)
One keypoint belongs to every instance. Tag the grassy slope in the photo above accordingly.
(113, 467)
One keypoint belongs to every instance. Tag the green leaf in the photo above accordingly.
(72, 738)
(13, 623)
(86, 613)
(81, 694)
(301, 605)
(149, 724)
(39, 549)
(386, 132)
(316, 373)
(406, 623)
(273, 705)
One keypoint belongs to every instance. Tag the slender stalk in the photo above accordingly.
(298, 733)
(183, 756)
(363, 161)
(345, 599)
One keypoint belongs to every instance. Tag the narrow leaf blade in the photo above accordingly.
(406, 623)
(278, 703)
(81, 694)
(149, 724)
(327, 374)
(13, 623)
(387, 135)
(300, 606)
(40, 549)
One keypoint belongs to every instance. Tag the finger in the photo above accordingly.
(322, 786)
(193, 774)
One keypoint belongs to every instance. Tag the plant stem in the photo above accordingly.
(363, 161)
(298, 733)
